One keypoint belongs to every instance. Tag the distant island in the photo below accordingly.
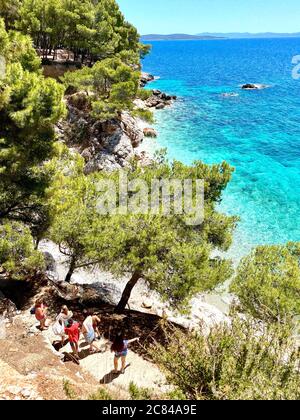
(177, 37)
(248, 35)
(213, 36)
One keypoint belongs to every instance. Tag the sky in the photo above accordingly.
(196, 16)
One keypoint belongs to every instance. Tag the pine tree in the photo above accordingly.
(174, 258)
(30, 105)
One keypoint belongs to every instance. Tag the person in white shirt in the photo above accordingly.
(89, 329)
(62, 322)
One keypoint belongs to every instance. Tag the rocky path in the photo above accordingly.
(142, 373)
(31, 368)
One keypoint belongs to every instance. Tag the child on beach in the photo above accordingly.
(73, 332)
(120, 348)
(40, 311)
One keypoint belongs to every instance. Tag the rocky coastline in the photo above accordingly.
(110, 145)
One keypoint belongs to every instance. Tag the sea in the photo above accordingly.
(257, 132)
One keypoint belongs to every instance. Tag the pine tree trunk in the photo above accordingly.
(71, 270)
(127, 292)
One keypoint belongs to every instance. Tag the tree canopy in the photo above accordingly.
(268, 283)
(111, 86)
(91, 30)
(174, 258)
(18, 257)
(30, 105)
(9, 10)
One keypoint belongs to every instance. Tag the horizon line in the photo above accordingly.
(222, 33)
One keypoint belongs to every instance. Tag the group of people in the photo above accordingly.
(66, 326)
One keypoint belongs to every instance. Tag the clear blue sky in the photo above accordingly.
(194, 16)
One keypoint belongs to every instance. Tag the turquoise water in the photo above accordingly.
(258, 132)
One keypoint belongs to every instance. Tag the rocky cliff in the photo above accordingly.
(109, 145)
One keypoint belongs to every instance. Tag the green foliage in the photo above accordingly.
(268, 283)
(144, 50)
(176, 395)
(69, 391)
(144, 114)
(30, 105)
(241, 361)
(138, 394)
(9, 11)
(111, 84)
(18, 257)
(173, 257)
(18, 49)
(91, 30)
(72, 202)
(101, 395)
(144, 94)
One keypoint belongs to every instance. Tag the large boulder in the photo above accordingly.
(159, 100)
(150, 132)
(250, 86)
(146, 78)
(107, 145)
(50, 262)
(156, 92)
(51, 266)
(7, 308)
(153, 101)
(116, 154)
(132, 129)
(161, 106)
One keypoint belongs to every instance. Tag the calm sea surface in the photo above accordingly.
(258, 132)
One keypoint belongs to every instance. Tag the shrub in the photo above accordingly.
(241, 361)
(268, 283)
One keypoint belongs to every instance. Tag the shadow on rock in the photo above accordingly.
(112, 376)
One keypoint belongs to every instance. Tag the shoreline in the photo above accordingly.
(221, 300)
(117, 141)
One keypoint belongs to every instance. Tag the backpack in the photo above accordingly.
(32, 311)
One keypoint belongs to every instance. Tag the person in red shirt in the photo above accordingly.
(73, 332)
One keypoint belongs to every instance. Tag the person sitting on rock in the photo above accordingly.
(120, 348)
